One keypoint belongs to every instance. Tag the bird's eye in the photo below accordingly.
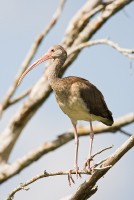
(52, 50)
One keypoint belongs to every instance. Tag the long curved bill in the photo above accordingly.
(37, 62)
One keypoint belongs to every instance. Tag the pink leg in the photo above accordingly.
(91, 140)
(70, 178)
(76, 149)
(87, 163)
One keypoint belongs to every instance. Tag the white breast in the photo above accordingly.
(74, 106)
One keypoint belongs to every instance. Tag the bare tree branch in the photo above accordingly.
(93, 26)
(86, 189)
(99, 152)
(30, 55)
(96, 23)
(23, 186)
(125, 132)
(18, 98)
(80, 20)
(10, 170)
(126, 52)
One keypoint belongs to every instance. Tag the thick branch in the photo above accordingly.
(10, 170)
(95, 24)
(85, 189)
(80, 20)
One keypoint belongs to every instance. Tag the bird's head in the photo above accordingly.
(55, 52)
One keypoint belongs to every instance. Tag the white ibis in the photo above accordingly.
(77, 97)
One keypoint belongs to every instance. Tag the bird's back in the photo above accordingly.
(80, 99)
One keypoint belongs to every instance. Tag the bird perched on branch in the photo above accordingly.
(77, 97)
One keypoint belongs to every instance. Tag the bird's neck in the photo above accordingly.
(53, 71)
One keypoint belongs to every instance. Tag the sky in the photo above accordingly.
(20, 23)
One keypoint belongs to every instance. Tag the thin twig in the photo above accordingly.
(30, 55)
(100, 163)
(125, 132)
(126, 52)
(55, 17)
(40, 176)
(23, 186)
(99, 152)
(18, 98)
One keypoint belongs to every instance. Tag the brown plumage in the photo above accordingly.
(77, 97)
(88, 93)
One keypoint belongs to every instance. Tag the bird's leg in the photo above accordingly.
(91, 139)
(89, 159)
(76, 168)
(76, 149)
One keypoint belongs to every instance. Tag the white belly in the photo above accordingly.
(75, 109)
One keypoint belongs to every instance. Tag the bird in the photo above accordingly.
(78, 98)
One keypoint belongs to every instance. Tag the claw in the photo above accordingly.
(77, 173)
(80, 176)
(76, 170)
(87, 164)
(70, 178)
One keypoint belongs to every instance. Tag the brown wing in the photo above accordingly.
(95, 102)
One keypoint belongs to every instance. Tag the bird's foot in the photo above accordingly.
(87, 165)
(71, 171)
(76, 169)
(70, 178)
